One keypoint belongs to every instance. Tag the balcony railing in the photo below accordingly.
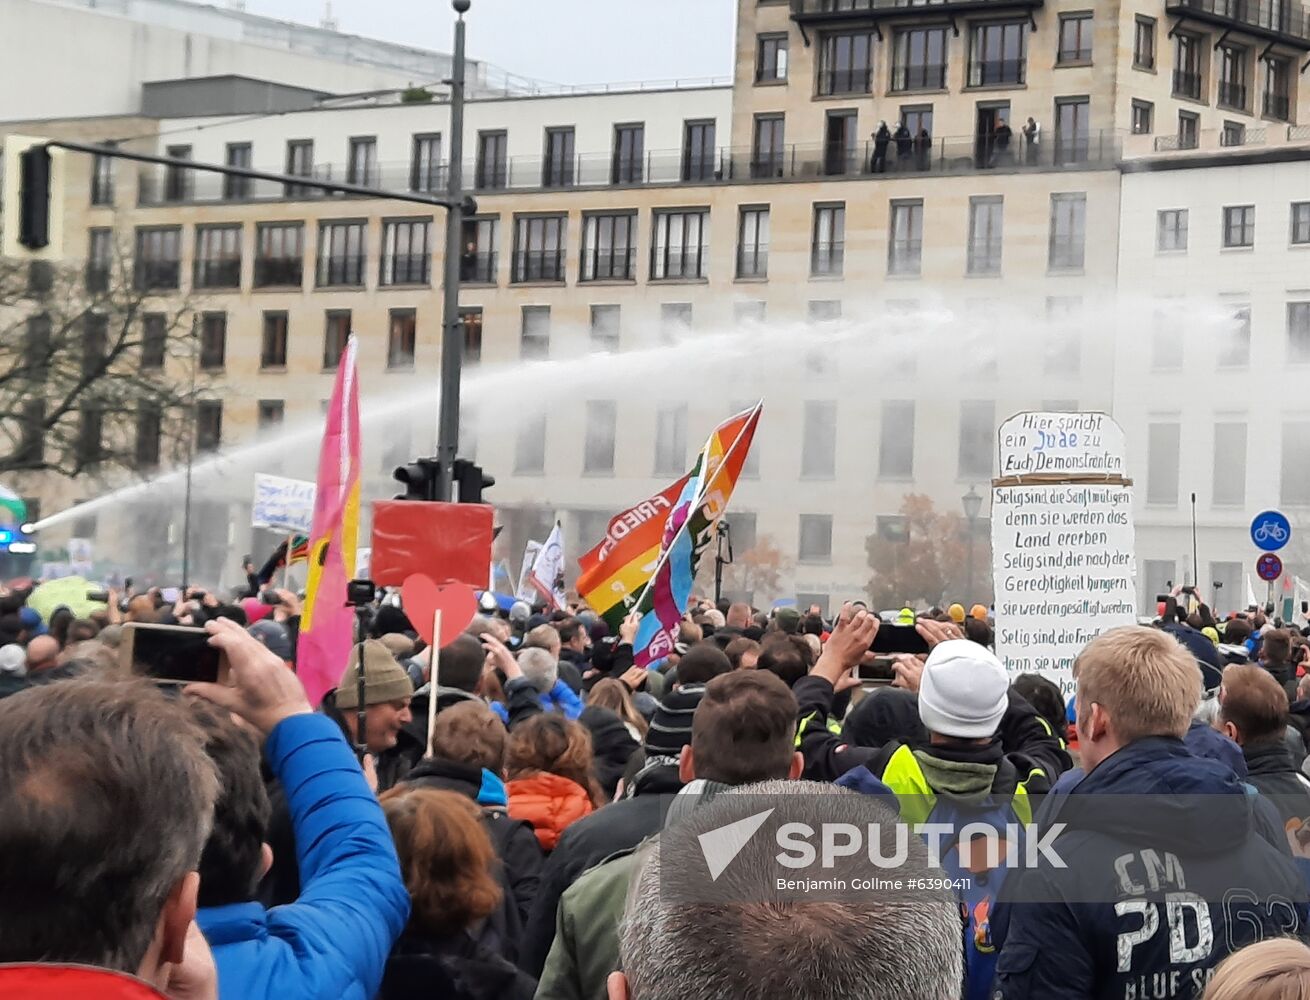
(538, 265)
(150, 275)
(905, 257)
(772, 164)
(218, 273)
(627, 170)
(271, 272)
(997, 72)
(1283, 21)
(922, 77)
(836, 10)
(619, 264)
(845, 81)
(478, 267)
(341, 270)
(406, 269)
(951, 155)
(97, 277)
(1187, 84)
(753, 262)
(1278, 106)
(827, 258)
(1232, 95)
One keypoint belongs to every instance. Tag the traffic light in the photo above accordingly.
(420, 479)
(32, 198)
(470, 481)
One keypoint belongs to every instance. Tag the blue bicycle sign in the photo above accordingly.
(1270, 531)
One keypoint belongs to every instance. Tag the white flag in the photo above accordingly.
(524, 591)
(1250, 594)
(548, 569)
(1300, 594)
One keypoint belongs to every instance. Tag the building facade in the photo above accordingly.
(643, 263)
(1210, 360)
(105, 50)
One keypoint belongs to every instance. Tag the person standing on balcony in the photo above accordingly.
(922, 148)
(1002, 137)
(881, 140)
(1032, 137)
(904, 145)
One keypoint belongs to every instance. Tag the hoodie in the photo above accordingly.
(1171, 864)
(514, 840)
(612, 745)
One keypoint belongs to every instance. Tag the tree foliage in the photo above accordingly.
(922, 559)
(757, 571)
(95, 373)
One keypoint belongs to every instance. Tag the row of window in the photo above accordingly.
(1234, 340)
(679, 247)
(1061, 342)
(1237, 227)
(406, 257)
(845, 65)
(1231, 442)
(1233, 89)
(818, 445)
(998, 55)
(558, 166)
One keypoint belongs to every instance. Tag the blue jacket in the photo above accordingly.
(560, 698)
(332, 942)
(1171, 863)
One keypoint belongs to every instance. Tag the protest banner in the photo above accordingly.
(283, 504)
(1062, 540)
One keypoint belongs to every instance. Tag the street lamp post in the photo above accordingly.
(972, 503)
(452, 333)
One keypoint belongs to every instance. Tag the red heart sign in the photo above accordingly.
(421, 599)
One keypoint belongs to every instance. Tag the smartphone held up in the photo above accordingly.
(171, 654)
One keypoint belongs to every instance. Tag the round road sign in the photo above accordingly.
(1270, 530)
(1269, 566)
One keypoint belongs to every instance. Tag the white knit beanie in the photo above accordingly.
(964, 690)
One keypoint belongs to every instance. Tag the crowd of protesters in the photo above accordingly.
(524, 822)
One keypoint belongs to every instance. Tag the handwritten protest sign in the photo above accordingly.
(1062, 540)
(283, 504)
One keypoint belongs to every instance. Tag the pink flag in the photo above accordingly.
(327, 624)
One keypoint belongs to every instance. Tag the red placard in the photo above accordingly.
(445, 541)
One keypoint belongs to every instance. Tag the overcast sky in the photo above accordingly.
(558, 41)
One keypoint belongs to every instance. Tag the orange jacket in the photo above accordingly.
(550, 803)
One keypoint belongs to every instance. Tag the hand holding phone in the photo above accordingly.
(171, 654)
(899, 639)
(263, 691)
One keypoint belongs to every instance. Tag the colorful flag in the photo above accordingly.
(327, 624)
(524, 591)
(614, 572)
(688, 531)
(299, 551)
(547, 577)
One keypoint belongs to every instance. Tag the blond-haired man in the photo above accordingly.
(1167, 862)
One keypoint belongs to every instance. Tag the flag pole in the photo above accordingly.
(697, 500)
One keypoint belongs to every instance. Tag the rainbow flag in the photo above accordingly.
(688, 531)
(299, 551)
(327, 624)
(614, 572)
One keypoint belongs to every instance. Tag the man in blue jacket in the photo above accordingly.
(333, 941)
(1168, 863)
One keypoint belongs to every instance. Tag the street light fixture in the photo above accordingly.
(972, 504)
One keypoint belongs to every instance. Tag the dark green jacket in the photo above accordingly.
(586, 947)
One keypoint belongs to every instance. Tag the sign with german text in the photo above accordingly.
(1062, 540)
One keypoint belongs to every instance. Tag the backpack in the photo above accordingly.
(976, 882)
